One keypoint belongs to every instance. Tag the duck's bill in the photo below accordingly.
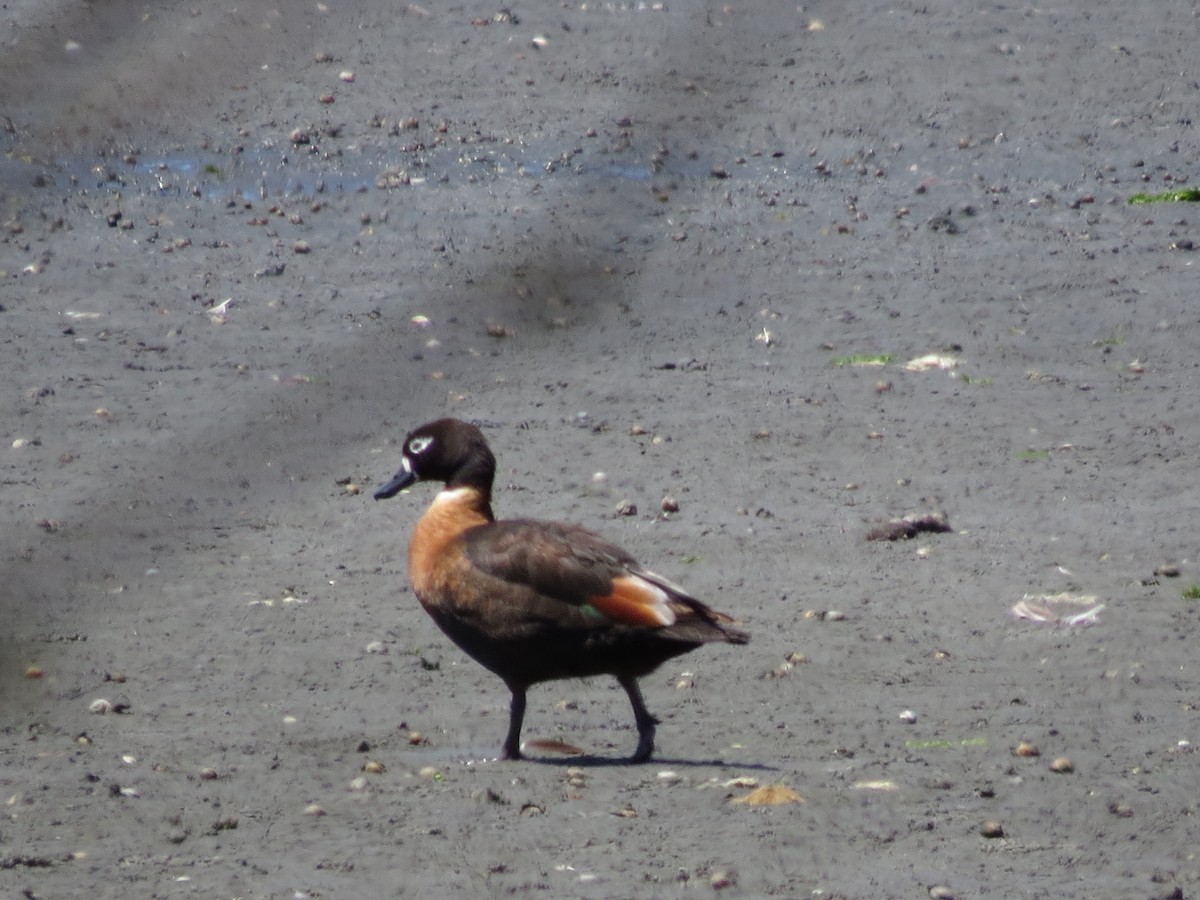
(399, 482)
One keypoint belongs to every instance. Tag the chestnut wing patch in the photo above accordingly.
(635, 601)
(573, 566)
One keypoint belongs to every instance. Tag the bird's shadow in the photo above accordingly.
(591, 761)
(588, 761)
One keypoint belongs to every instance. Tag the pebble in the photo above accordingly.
(1062, 765)
(720, 880)
(769, 795)
(991, 830)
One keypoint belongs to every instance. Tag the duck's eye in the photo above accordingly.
(419, 445)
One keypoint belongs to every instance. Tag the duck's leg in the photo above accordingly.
(641, 715)
(516, 716)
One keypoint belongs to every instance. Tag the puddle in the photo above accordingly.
(289, 171)
(257, 174)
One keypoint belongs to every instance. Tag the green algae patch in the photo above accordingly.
(943, 744)
(1187, 195)
(862, 359)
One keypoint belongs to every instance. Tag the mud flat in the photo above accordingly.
(680, 251)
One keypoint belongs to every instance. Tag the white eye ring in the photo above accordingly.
(419, 445)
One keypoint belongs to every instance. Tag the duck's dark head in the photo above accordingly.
(448, 450)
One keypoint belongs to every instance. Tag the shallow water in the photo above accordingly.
(261, 173)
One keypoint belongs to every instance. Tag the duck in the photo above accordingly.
(536, 601)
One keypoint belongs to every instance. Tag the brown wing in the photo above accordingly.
(576, 567)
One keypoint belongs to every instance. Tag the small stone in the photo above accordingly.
(991, 830)
(1062, 765)
(627, 508)
(374, 767)
(720, 880)
(314, 809)
(1024, 748)
(670, 504)
(301, 247)
(908, 716)
(769, 795)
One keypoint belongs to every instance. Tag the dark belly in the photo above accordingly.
(545, 651)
